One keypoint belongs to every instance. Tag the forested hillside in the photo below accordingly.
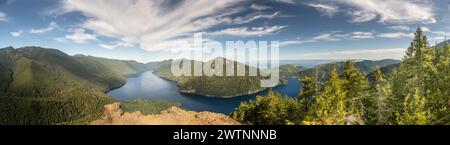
(47, 86)
(365, 66)
(217, 86)
(415, 94)
(290, 70)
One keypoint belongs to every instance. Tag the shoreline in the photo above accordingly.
(213, 96)
(190, 93)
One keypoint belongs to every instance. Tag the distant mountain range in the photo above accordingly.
(365, 66)
(441, 45)
(386, 71)
(306, 63)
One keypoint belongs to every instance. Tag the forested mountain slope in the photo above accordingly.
(217, 86)
(365, 66)
(47, 86)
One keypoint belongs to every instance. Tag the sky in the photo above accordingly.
(152, 30)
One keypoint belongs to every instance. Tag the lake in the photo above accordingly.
(149, 86)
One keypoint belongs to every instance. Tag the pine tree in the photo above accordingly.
(307, 92)
(309, 88)
(330, 107)
(418, 72)
(412, 72)
(414, 111)
(378, 110)
(355, 86)
(441, 94)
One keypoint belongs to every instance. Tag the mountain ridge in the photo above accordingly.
(47, 86)
(365, 66)
(215, 86)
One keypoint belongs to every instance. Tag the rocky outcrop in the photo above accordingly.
(114, 115)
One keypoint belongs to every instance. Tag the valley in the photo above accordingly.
(47, 86)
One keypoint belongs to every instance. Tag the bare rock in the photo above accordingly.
(113, 115)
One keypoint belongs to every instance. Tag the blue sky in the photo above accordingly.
(149, 30)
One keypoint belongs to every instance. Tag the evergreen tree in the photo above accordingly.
(414, 111)
(417, 71)
(330, 107)
(269, 110)
(310, 89)
(441, 94)
(378, 110)
(355, 86)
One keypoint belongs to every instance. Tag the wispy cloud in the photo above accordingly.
(344, 36)
(438, 33)
(286, 1)
(244, 31)
(386, 11)
(259, 7)
(325, 8)
(296, 42)
(396, 35)
(78, 36)
(400, 28)
(17, 33)
(371, 54)
(333, 36)
(3, 17)
(117, 44)
(425, 29)
(52, 26)
(150, 24)
(360, 16)
(441, 33)
(250, 18)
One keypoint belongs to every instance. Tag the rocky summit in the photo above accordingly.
(114, 115)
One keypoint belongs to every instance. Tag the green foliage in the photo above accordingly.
(290, 70)
(148, 106)
(378, 108)
(331, 106)
(310, 88)
(424, 70)
(414, 111)
(220, 86)
(355, 86)
(47, 86)
(416, 93)
(387, 71)
(365, 67)
(271, 109)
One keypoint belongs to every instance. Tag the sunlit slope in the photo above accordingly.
(217, 86)
(47, 86)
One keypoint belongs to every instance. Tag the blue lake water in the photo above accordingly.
(149, 86)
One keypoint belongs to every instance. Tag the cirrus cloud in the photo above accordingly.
(386, 11)
(244, 31)
(152, 24)
(52, 26)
